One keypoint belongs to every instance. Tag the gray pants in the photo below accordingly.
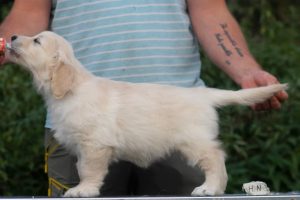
(170, 176)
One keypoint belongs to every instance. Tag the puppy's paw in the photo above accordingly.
(82, 191)
(206, 190)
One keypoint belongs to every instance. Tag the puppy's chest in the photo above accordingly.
(71, 123)
(75, 114)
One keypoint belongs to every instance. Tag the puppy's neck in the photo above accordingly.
(81, 74)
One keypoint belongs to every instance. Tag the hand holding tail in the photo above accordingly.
(260, 78)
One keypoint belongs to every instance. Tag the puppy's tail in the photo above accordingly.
(249, 96)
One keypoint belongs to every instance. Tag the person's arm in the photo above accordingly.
(27, 18)
(220, 36)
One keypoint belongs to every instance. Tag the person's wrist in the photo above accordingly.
(2, 51)
(2, 60)
(246, 73)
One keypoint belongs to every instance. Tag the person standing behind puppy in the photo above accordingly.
(141, 41)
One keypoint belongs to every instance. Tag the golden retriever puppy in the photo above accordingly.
(102, 121)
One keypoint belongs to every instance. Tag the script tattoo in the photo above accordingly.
(224, 27)
(227, 62)
(222, 38)
(222, 45)
(239, 51)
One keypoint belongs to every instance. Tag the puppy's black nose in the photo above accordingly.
(14, 37)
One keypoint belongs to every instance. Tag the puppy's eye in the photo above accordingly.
(37, 41)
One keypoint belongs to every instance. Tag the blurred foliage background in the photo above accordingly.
(260, 145)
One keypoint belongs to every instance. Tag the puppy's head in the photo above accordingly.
(49, 57)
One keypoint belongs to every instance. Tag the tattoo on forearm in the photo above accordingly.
(221, 37)
(231, 40)
(239, 51)
(222, 45)
(224, 27)
(227, 62)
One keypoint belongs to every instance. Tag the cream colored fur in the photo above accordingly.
(102, 121)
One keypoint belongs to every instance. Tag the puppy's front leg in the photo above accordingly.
(92, 167)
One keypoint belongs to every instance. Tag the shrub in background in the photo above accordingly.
(264, 146)
(21, 132)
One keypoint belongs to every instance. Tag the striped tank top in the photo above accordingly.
(131, 40)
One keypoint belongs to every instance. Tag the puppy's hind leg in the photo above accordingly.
(211, 159)
(92, 167)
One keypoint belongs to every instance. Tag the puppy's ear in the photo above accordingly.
(62, 79)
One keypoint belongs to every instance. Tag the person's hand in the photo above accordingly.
(3, 60)
(258, 78)
(3, 53)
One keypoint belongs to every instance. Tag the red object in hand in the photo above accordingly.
(2, 46)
